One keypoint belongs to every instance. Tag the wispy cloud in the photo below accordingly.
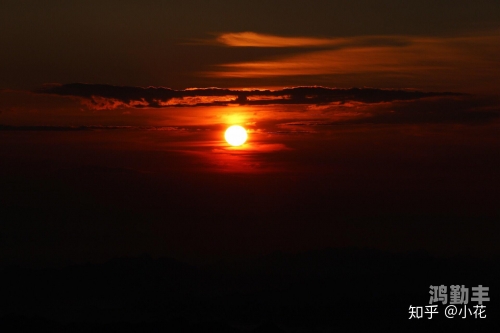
(440, 61)
(253, 39)
(439, 110)
(420, 53)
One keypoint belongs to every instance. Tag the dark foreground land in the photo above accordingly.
(333, 290)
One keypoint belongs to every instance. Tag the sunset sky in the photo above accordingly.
(371, 124)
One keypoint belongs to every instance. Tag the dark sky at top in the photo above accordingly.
(158, 42)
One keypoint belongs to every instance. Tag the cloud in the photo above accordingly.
(99, 96)
(253, 39)
(93, 128)
(417, 53)
(443, 62)
(103, 96)
(439, 110)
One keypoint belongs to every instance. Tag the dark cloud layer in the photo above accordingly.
(463, 110)
(108, 96)
(92, 128)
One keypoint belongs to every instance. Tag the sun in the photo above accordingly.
(236, 135)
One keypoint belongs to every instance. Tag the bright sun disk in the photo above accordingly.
(236, 135)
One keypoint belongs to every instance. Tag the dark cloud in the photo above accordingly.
(99, 128)
(452, 110)
(103, 96)
(466, 110)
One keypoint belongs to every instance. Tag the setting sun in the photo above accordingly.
(236, 135)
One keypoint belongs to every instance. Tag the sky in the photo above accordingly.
(182, 44)
(371, 124)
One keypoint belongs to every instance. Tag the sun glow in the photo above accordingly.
(236, 135)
